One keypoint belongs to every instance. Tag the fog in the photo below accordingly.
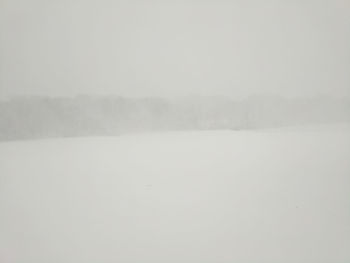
(51, 117)
(192, 131)
(174, 48)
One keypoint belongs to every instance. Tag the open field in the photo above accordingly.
(274, 195)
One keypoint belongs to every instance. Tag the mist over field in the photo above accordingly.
(192, 131)
(44, 117)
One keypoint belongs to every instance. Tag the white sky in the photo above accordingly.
(172, 47)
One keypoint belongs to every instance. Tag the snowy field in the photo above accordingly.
(274, 196)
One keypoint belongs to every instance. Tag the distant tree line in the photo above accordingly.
(44, 117)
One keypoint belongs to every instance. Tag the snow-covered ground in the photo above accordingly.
(274, 195)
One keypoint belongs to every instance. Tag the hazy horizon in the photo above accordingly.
(174, 131)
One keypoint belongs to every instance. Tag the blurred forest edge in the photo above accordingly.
(46, 117)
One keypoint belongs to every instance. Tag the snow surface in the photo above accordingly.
(269, 196)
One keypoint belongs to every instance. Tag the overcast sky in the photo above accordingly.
(163, 48)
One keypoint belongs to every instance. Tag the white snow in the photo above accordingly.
(269, 196)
